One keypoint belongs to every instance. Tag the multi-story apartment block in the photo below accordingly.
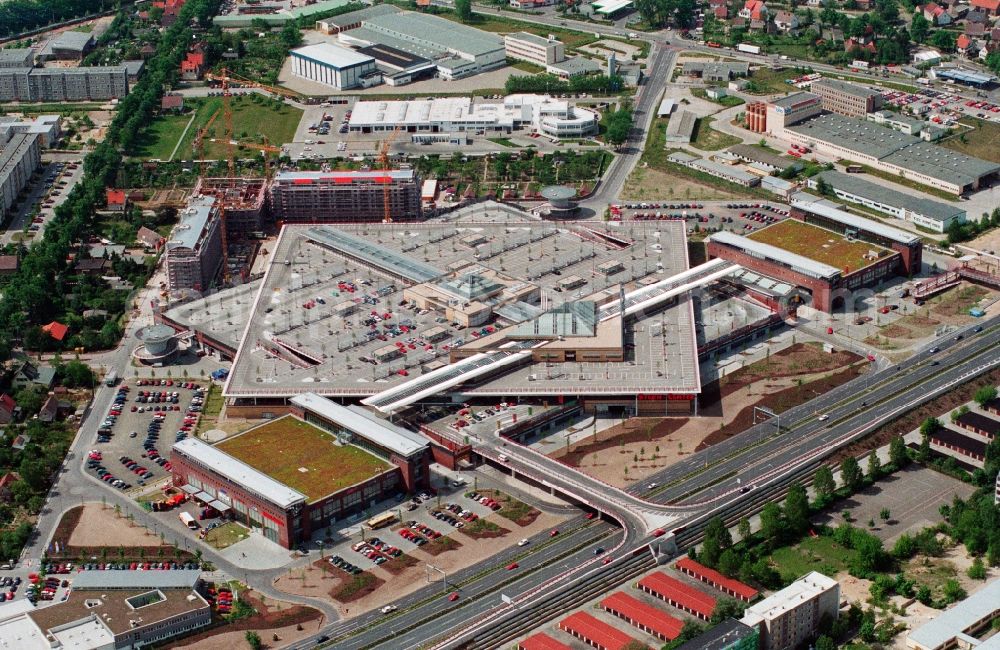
(20, 156)
(63, 84)
(194, 250)
(791, 616)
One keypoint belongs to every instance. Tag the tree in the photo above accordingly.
(717, 540)
(850, 473)
(797, 508)
(885, 514)
(953, 591)
(978, 570)
(727, 608)
(919, 28)
(897, 452)
(730, 563)
(253, 640)
(929, 426)
(823, 483)
(985, 394)
(943, 40)
(874, 466)
(771, 524)
(463, 9)
(744, 529)
(823, 642)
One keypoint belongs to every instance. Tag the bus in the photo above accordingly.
(112, 378)
(188, 520)
(382, 520)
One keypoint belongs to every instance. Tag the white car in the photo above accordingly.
(523, 542)
(388, 609)
(824, 417)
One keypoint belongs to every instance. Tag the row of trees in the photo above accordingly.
(549, 83)
(662, 13)
(40, 290)
(960, 232)
(17, 16)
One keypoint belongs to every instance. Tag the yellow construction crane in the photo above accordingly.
(383, 157)
(227, 76)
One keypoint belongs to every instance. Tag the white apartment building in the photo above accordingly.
(791, 616)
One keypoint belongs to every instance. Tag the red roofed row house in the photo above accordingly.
(734, 588)
(594, 632)
(679, 595)
(648, 619)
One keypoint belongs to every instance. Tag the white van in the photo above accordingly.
(503, 458)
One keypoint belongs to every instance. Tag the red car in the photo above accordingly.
(553, 533)
(512, 566)
(453, 596)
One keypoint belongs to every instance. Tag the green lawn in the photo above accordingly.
(52, 109)
(526, 66)
(821, 554)
(251, 120)
(980, 142)
(766, 81)
(226, 535)
(158, 141)
(728, 101)
(708, 139)
(213, 402)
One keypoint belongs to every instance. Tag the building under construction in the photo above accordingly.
(345, 196)
(243, 202)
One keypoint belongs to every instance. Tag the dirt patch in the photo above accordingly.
(94, 530)
(781, 401)
(272, 617)
(798, 359)
(397, 565)
(441, 545)
(483, 529)
(912, 419)
(512, 509)
(633, 430)
(355, 587)
(654, 184)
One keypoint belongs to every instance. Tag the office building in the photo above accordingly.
(313, 483)
(791, 617)
(926, 213)
(846, 98)
(21, 57)
(194, 250)
(335, 66)
(542, 51)
(791, 109)
(457, 50)
(325, 197)
(20, 156)
(95, 83)
(966, 625)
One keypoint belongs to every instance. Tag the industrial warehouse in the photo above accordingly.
(334, 461)
(799, 118)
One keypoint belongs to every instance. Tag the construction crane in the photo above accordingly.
(227, 76)
(383, 157)
(199, 140)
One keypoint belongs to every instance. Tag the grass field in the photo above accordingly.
(821, 554)
(251, 120)
(226, 535)
(708, 139)
(767, 81)
(816, 243)
(728, 101)
(303, 457)
(980, 142)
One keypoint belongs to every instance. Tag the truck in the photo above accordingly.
(111, 378)
(749, 49)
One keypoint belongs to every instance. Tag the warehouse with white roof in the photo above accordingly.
(557, 118)
(335, 66)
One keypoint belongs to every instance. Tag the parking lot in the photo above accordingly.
(940, 107)
(47, 190)
(740, 218)
(128, 449)
(418, 522)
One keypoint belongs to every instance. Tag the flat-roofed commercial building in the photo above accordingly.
(524, 46)
(889, 151)
(926, 213)
(325, 197)
(457, 50)
(731, 173)
(335, 66)
(354, 19)
(846, 98)
(63, 84)
(960, 626)
(334, 462)
(20, 156)
(791, 109)
(788, 618)
(194, 250)
(555, 117)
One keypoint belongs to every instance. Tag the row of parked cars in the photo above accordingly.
(343, 564)
(376, 550)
